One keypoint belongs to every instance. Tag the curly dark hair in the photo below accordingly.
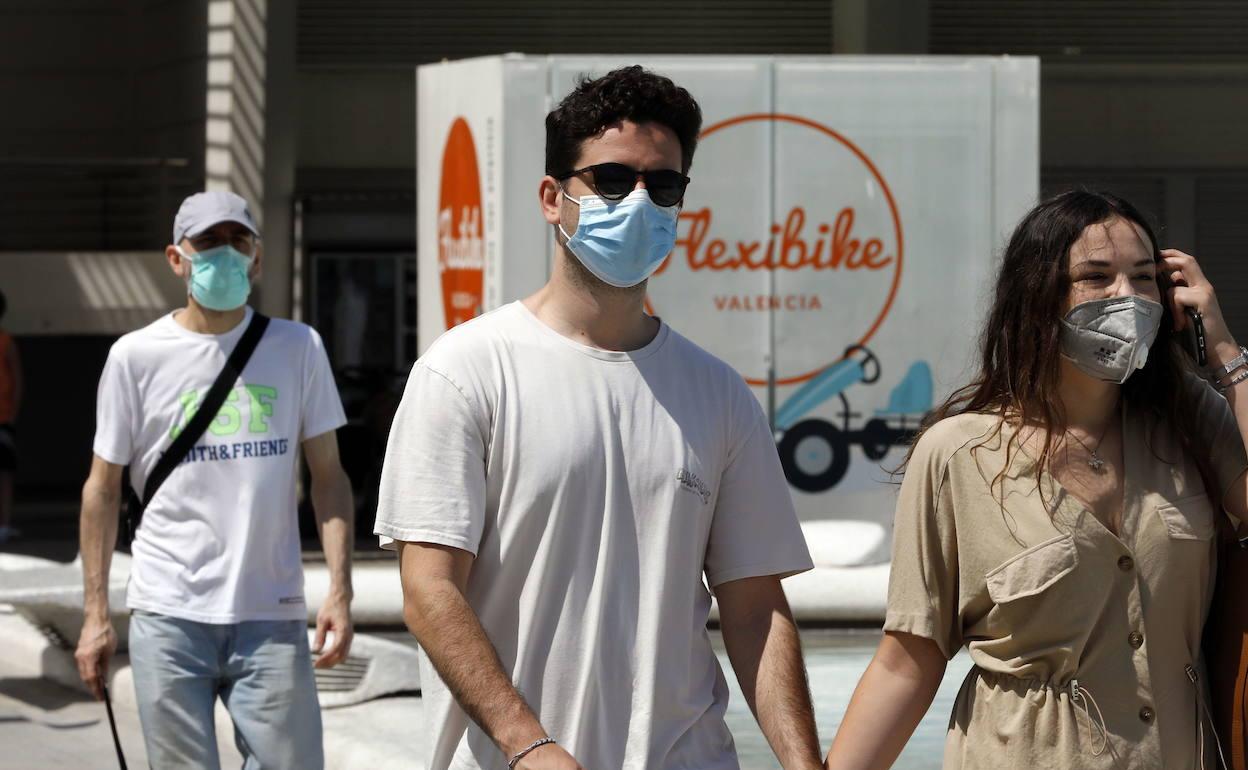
(628, 93)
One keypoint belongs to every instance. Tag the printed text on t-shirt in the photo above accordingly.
(238, 450)
(246, 409)
(229, 419)
(693, 484)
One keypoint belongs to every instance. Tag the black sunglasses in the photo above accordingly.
(614, 181)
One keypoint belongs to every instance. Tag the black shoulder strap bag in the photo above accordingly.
(177, 452)
(194, 429)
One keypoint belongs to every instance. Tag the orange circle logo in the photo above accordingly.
(831, 255)
(461, 235)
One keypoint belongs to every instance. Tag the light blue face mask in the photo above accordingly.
(218, 278)
(622, 242)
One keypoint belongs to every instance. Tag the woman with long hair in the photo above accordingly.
(1057, 515)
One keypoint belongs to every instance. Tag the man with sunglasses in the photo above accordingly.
(216, 580)
(567, 475)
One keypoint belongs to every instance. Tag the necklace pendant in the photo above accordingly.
(1096, 463)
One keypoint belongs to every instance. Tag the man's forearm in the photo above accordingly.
(766, 653)
(784, 705)
(335, 520)
(97, 535)
(451, 635)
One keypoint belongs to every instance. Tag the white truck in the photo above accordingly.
(835, 245)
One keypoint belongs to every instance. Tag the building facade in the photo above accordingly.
(118, 110)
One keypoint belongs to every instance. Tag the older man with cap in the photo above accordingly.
(216, 581)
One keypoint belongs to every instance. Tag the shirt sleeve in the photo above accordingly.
(115, 411)
(433, 485)
(1217, 429)
(754, 531)
(322, 406)
(923, 584)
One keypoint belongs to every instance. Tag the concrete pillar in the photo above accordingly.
(250, 131)
(880, 26)
(280, 158)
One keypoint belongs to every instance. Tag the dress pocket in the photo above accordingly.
(1034, 570)
(1188, 519)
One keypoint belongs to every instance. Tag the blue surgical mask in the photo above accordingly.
(622, 242)
(218, 278)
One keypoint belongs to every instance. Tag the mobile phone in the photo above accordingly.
(1194, 337)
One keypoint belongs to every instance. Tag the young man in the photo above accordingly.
(564, 471)
(216, 582)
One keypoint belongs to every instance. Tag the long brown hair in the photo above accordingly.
(1020, 348)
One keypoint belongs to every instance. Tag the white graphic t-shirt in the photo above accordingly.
(219, 542)
(601, 493)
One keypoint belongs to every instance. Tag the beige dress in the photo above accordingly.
(1085, 644)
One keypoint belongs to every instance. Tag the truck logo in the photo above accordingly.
(838, 217)
(821, 249)
(461, 237)
(834, 246)
(815, 452)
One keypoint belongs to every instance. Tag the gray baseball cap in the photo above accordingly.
(203, 210)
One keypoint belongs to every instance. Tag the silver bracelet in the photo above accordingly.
(1232, 365)
(525, 751)
(1219, 381)
(1222, 388)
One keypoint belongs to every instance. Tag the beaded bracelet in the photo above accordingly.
(525, 751)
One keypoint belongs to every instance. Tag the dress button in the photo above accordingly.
(1135, 639)
(1126, 563)
(1146, 715)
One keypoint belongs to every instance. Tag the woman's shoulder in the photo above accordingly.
(952, 436)
(960, 429)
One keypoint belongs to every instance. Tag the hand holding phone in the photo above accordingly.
(1194, 337)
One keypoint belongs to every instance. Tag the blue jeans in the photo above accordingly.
(262, 671)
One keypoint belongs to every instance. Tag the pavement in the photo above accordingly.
(48, 720)
(45, 723)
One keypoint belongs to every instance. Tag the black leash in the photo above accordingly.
(112, 723)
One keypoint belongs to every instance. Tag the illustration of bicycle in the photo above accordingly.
(815, 453)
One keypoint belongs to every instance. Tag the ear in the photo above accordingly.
(257, 262)
(551, 199)
(177, 263)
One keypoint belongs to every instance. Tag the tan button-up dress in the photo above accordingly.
(1085, 644)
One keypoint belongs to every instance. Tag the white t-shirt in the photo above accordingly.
(219, 543)
(596, 489)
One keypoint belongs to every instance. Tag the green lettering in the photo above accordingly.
(188, 401)
(262, 398)
(229, 419)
